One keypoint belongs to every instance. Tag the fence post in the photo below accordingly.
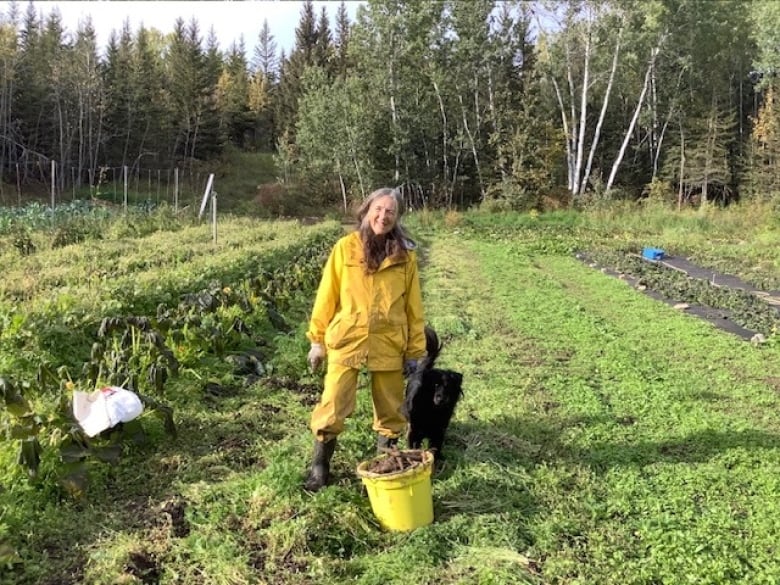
(206, 193)
(124, 204)
(214, 215)
(53, 167)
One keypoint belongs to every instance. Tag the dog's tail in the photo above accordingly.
(433, 346)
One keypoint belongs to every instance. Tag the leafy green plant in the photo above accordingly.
(745, 308)
(23, 426)
(59, 430)
(603, 438)
(23, 242)
(131, 352)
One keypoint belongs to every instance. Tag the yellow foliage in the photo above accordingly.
(765, 127)
(452, 218)
(258, 93)
(223, 87)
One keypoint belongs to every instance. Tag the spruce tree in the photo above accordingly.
(118, 80)
(341, 62)
(263, 86)
(290, 86)
(234, 96)
(265, 59)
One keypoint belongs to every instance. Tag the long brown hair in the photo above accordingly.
(394, 244)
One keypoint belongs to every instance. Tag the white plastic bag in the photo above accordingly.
(104, 408)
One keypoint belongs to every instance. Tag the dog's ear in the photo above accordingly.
(451, 378)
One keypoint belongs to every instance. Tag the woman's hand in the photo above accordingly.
(316, 356)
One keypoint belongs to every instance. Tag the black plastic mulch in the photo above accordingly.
(721, 318)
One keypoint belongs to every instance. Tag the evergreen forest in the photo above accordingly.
(511, 104)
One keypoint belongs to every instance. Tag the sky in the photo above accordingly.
(230, 19)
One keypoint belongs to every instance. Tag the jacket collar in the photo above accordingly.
(357, 256)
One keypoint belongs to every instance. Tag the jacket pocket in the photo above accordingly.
(341, 332)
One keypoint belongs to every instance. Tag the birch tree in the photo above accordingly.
(575, 66)
(696, 87)
(398, 48)
(334, 134)
(89, 100)
(701, 163)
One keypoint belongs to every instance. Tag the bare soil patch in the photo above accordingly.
(309, 393)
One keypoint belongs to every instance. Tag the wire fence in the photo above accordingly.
(121, 185)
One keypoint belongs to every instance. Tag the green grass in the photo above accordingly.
(603, 438)
(636, 433)
(238, 178)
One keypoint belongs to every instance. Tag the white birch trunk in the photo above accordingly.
(565, 123)
(473, 148)
(630, 129)
(602, 115)
(572, 138)
(680, 192)
(444, 134)
(394, 118)
(660, 138)
(577, 187)
(341, 183)
(354, 155)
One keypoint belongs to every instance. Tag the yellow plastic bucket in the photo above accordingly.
(401, 501)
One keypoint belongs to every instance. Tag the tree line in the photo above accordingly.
(505, 102)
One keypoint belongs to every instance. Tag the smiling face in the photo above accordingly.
(382, 215)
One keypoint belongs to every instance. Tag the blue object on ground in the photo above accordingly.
(653, 253)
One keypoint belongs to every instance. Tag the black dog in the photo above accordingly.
(431, 397)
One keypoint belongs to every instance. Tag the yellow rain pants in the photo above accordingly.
(339, 397)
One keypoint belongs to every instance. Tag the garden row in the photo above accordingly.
(741, 306)
(620, 254)
(142, 330)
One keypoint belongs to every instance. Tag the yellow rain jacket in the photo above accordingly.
(374, 320)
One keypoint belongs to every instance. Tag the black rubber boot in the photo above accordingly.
(319, 473)
(383, 443)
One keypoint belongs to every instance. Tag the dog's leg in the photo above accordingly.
(414, 439)
(436, 441)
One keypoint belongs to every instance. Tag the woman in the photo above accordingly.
(367, 313)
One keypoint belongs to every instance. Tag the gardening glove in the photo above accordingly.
(316, 356)
(410, 366)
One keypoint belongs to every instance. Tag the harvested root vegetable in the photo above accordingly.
(396, 460)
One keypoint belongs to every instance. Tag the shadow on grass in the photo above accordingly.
(696, 447)
(485, 482)
(490, 467)
(523, 442)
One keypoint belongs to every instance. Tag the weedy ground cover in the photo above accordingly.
(603, 438)
(636, 431)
